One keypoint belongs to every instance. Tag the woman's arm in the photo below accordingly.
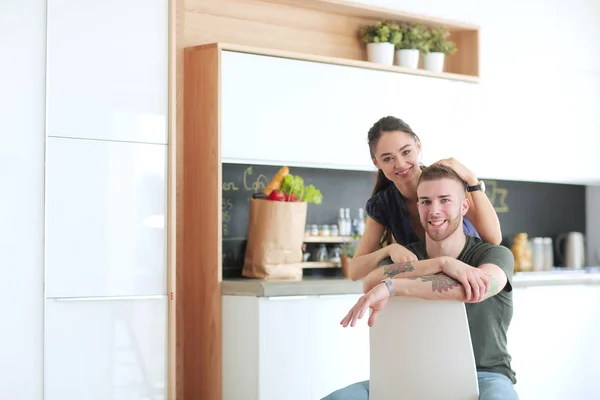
(481, 211)
(368, 253)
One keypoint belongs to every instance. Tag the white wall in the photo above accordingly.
(22, 121)
(531, 90)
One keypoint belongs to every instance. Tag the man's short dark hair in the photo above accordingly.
(436, 172)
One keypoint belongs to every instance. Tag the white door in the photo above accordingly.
(286, 344)
(105, 205)
(107, 69)
(553, 338)
(342, 354)
(105, 349)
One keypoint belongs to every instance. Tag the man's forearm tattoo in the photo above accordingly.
(440, 282)
(395, 269)
(493, 286)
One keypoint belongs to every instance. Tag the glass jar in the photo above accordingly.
(314, 230)
(322, 253)
(334, 230)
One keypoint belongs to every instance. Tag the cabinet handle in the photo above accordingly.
(287, 297)
(109, 298)
(339, 296)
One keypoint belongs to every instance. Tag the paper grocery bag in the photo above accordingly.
(275, 237)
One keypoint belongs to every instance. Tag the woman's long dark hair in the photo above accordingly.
(386, 124)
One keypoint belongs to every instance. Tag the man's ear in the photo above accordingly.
(465, 206)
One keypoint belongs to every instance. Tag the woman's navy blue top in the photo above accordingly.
(389, 209)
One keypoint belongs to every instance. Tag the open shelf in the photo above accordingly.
(327, 239)
(317, 30)
(340, 61)
(320, 264)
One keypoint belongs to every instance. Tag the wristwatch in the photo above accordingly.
(390, 285)
(479, 186)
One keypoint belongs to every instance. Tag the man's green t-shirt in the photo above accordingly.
(489, 319)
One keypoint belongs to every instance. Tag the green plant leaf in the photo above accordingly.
(312, 195)
(437, 40)
(381, 32)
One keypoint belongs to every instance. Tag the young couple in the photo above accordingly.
(434, 227)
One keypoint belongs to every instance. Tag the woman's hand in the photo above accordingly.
(400, 254)
(375, 299)
(462, 171)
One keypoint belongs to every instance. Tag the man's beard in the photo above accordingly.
(438, 236)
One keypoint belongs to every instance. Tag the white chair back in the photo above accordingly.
(421, 350)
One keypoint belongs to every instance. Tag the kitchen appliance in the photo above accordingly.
(570, 249)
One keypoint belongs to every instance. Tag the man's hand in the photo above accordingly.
(475, 282)
(400, 254)
(462, 171)
(375, 299)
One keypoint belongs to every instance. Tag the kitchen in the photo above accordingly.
(497, 132)
(107, 283)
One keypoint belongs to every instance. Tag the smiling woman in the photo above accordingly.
(393, 215)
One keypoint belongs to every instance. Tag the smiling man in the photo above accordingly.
(455, 266)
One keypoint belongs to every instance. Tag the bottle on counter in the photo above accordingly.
(361, 224)
(548, 254)
(537, 254)
(342, 223)
(348, 222)
(521, 249)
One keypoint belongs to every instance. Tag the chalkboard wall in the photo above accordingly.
(540, 209)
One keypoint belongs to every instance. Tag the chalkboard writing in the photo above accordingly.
(497, 196)
(540, 209)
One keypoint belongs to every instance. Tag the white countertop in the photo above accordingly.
(331, 286)
(557, 277)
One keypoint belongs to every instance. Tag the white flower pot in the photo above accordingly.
(433, 62)
(381, 53)
(407, 58)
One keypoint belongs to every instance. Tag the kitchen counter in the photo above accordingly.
(335, 286)
(307, 286)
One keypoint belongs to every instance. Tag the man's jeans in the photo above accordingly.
(492, 386)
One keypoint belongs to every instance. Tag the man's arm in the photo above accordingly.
(435, 287)
(475, 281)
(443, 287)
(407, 269)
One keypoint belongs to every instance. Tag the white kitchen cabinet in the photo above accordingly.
(298, 112)
(553, 340)
(105, 205)
(107, 69)
(22, 119)
(290, 348)
(295, 112)
(105, 349)
(342, 354)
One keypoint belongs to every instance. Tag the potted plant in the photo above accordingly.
(347, 252)
(410, 45)
(435, 48)
(381, 40)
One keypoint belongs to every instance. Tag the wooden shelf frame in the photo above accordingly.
(317, 30)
